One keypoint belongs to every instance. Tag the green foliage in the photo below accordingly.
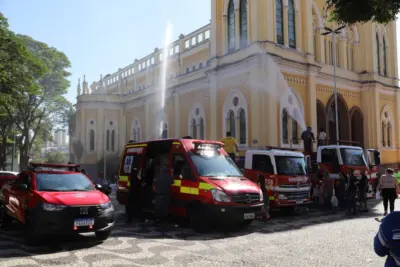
(354, 11)
(56, 157)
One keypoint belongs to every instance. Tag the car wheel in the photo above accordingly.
(103, 235)
(30, 236)
(246, 223)
(5, 220)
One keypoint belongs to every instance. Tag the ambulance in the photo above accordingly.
(208, 187)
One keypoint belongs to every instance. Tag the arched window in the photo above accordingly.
(292, 24)
(285, 131)
(295, 132)
(194, 129)
(242, 126)
(378, 53)
(232, 123)
(165, 131)
(202, 132)
(384, 57)
(389, 129)
(231, 27)
(91, 140)
(383, 133)
(279, 22)
(108, 140)
(243, 23)
(113, 140)
(135, 131)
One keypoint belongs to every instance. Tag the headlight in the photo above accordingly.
(282, 196)
(52, 207)
(106, 205)
(220, 196)
(261, 196)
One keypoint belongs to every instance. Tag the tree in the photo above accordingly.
(6, 137)
(353, 11)
(56, 157)
(29, 110)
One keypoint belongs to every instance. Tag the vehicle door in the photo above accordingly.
(186, 186)
(131, 165)
(19, 196)
(329, 161)
(264, 169)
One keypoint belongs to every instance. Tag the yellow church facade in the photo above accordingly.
(263, 71)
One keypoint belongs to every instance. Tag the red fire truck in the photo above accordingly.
(285, 174)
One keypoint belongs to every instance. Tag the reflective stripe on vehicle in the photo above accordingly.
(190, 189)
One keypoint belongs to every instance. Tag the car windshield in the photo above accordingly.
(289, 165)
(212, 163)
(63, 182)
(353, 157)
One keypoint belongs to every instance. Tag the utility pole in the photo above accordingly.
(334, 33)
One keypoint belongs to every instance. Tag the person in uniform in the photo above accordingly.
(387, 240)
(134, 208)
(230, 145)
(162, 188)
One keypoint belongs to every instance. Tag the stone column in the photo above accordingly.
(321, 46)
(213, 125)
(311, 112)
(268, 8)
(177, 115)
(254, 109)
(123, 131)
(371, 112)
(397, 120)
(253, 21)
(147, 122)
(299, 30)
(100, 133)
(342, 52)
(307, 27)
(214, 29)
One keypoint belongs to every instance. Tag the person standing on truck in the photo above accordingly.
(308, 138)
(230, 145)
(162, 188)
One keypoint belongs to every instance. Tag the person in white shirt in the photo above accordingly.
(321, 137)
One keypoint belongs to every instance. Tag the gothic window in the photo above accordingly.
(194, 129)
(135, 131)
(108, 140)
(164, 134)
(242, 126)
(384, 57)
(232, 123)
(383, 134)
(285, 131)
(279, 22)
(231, 26)
(235, 116)
(292, 24)
(243, 23)
(378, 54)
(295, 132)
(389, 128)
(91, 140)
(113, 140)
(202, 132)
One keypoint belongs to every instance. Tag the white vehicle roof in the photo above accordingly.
(340, 146)
(274, 152)
(10, 172)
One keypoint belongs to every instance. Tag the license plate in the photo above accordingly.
(83, 222)
(299, 201)
(249, 216)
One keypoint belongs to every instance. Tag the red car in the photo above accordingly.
(7, 176)
(51, 199)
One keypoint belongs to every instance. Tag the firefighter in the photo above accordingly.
(134, 208)
(162, 188)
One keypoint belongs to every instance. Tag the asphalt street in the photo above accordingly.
(314, 239)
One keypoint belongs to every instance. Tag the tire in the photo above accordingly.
(31, 238)
(246, 223)
(5, 219)
(198, 222)
(103, 235)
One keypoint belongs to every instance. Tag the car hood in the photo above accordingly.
(74, 198)
(234, 185)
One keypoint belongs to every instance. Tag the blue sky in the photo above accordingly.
(100, 36)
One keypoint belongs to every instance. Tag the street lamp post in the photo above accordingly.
(334, 33)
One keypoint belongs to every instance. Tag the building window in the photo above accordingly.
(108, 140)
(383, 134)
(91, 140)
(202, 132)
(232, 123)
(113, 140)
(231, 27)
(242, 127)
(194, 129)
(378, 53)
(387, 127)
(292, 24)
(243, 24)
(285, 132)
(384, 57)
(135, 131)
(295, 132)
(279, 22)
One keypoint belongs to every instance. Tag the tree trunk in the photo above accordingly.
(24, 151)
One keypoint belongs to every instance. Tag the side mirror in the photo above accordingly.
(22, 187)
(99, 187)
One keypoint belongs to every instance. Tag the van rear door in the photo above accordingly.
(131, 161)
